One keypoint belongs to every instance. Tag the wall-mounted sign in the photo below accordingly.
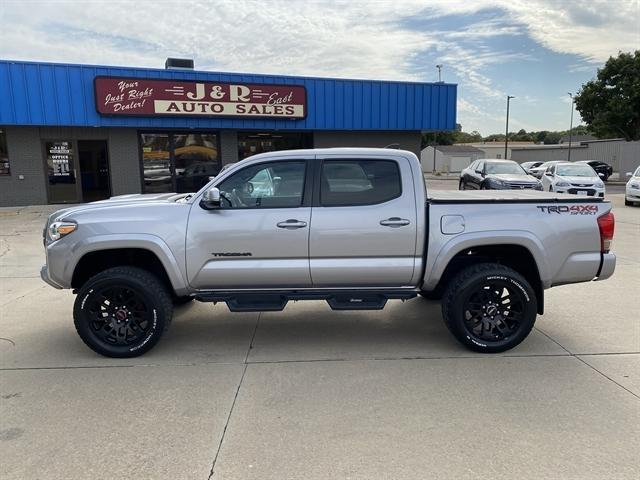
(138, 96)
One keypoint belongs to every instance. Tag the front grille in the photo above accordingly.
(590, 191)
(589, 185)
(521, 186)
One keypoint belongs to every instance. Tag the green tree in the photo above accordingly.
(610, 104)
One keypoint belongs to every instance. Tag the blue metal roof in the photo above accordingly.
(63, 95)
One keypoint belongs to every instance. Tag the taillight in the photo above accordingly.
(606, 224)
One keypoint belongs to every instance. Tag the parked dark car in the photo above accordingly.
(497, 175)
(599, 167)
(529, 165)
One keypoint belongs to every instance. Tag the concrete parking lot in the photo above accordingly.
(309, 393)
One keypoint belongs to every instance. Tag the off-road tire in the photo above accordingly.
(471, 281)
(149, 292)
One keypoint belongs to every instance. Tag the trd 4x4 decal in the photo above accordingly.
(571, 210)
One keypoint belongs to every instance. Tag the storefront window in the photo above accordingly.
(253, 143)
(196, 159)
(178, 162)
(4, 154)
(156, 162)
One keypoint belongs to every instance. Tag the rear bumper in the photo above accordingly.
(607, 266)
(44, 274)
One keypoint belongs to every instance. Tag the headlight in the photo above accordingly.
(496, 181)
(538, 186)
(635, 185)
(599, 185)
(57, 230)
(562, 184)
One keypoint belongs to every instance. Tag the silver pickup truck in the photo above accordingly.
(352, 226)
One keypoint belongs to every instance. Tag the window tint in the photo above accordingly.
(359, 182)
(268, 185)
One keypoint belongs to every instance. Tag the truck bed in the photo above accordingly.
(505, 196)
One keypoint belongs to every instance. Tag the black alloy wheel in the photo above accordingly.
(122, 312)
(489, 307)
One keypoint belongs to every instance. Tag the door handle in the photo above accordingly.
(291, 224)
(395, 222)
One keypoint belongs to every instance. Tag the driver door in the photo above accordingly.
(259, 237)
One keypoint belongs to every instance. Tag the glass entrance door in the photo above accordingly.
(61, 171)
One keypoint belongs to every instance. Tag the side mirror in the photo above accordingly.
(479, 171)
(211, 199)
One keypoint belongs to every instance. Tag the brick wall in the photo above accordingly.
(25, 159)
(229, 146)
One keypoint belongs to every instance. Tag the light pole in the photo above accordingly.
(439, 67)
(570, 127)
(506, 133)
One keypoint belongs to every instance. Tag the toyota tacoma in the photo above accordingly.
(352, 226)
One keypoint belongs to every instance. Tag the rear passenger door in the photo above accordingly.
(363, 223)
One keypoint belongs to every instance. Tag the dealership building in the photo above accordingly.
(79, 133)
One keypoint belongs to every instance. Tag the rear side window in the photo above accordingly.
(359, 182)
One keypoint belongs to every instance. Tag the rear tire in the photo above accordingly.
(461, 185)
(489, 308)
(122, 312)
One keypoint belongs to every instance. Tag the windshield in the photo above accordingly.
(575, 171)
(504, 168)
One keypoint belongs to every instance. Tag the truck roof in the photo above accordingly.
(336, 151)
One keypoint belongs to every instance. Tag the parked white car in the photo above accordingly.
(632, 192)
(575, 178)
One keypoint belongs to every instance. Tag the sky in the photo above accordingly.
(535, 50)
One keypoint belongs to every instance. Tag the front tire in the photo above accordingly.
(489, 308)
(122, 312)
(461, 185)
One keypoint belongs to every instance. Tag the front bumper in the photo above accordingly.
(632, 194)
(591, 192)
(44, 274)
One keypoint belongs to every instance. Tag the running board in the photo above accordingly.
(274, 301)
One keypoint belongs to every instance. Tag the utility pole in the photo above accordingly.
(506, 133)
(439, 67)
(570, 127)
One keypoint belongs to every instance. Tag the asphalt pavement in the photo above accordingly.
(309, 393)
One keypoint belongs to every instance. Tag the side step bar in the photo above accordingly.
(273, 301)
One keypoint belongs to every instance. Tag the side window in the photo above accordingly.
(480, 166)
(267, 185)
(551, 169)
(359, 182)
(474, 165)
